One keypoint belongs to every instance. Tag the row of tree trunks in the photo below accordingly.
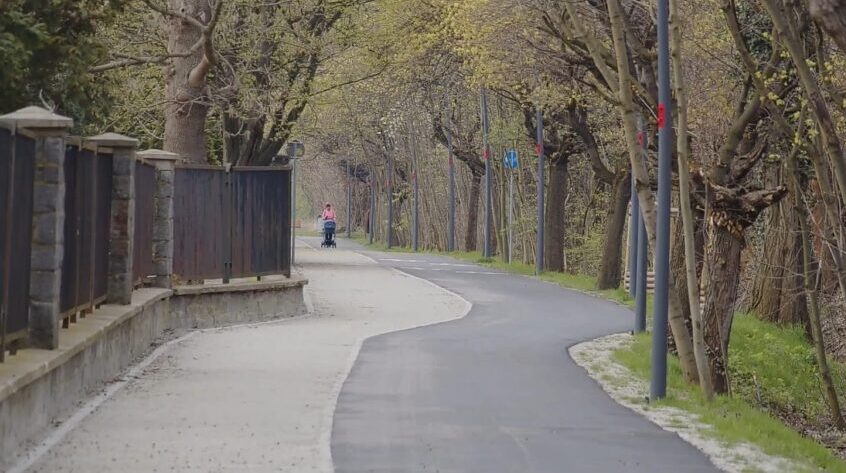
(777, 288)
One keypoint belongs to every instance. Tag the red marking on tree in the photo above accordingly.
(640, 138)
(661, 109)
(485, 154)
(538, 149)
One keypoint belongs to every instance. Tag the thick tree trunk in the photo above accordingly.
(473, 205)
(554, 233)
(722, 256)
(610, 267)
(186, 110)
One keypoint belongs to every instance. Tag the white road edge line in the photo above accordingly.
(32, 455)
(326, 441)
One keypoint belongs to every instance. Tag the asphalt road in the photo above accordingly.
(495, 391)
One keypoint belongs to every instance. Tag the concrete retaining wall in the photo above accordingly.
(39, 387)
(217, 306)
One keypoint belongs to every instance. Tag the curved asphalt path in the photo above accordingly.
(495, 391)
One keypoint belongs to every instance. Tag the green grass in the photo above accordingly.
(780, 362)
(771, 367)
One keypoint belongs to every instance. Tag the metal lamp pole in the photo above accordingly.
(371, 222)
(293, 208)
(658, 384)
(640, 252)
(295, 151)
(389, 241)
(541, 179)
(486, 153)
(451, 222)
(510, 215)
(349, 201)
(415, 216)
(634, 226)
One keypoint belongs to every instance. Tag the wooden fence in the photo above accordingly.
(231, 224)
(17, 170)
(227, 223)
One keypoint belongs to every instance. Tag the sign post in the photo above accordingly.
(510, 163)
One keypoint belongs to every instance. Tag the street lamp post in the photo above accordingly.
(349, 201)
(658, 383)
(640, 252)
(486, 153)
(389, 181)
(296, 150)
(371, 222)
(415, 213)
(451, 195)
(541, 178)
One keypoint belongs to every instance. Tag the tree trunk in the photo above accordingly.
(777, 286)
(722, 256)
(473, 211)
(610, 267)
(554, 232)
(186, 110)
(678, 269)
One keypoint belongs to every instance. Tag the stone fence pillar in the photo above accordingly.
(165, 163)
(122, 226)
(48, 219)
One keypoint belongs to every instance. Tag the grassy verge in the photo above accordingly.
(773, 373)
(772, 369)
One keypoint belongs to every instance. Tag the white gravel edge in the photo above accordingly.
(626, 389)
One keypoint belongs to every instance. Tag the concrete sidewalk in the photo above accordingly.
(256, 398)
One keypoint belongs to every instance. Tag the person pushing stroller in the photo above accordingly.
(328, 217)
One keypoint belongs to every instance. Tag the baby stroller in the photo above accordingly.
(328, 235)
